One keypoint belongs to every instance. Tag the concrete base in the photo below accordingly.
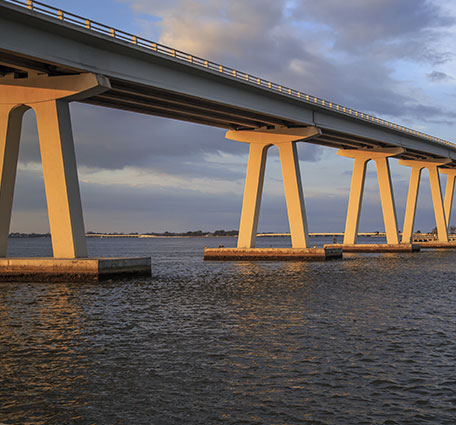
(272, 254)
(438, 245)
(368, 247)
(72, 269)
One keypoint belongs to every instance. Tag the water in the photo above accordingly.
(367, 340)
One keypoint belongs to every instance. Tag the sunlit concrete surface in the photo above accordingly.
(438, 245)
(48, 96)
(438, 204)
(260, 140)
(368, 247)
(362, 157)
(272, 254)
(449, 191)
(70, 269)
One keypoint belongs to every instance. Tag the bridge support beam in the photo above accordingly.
(10, 133)
(252, 195)
(294, 195)
(361, 157)
(439, 210)
(61, 179)
(49, 98)
(449, 192)
(260, 140)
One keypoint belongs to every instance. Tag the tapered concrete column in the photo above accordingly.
(355, 200)
(449, 192)
(387, 200)
(439, 212)
(252, 195)
(293, 194)
(61, 179)
(440, 220)
(410, 209)
(357, 188)
(49, 97)
(260, 140)
(10, 132)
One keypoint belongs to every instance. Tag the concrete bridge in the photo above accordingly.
(49, 57)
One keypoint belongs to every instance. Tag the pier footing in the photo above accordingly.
(47, 269)
(438, 245)
(272, 254)
(368, 247)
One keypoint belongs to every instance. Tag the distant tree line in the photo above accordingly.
(29, 235)
(199, 233)
(196, 233)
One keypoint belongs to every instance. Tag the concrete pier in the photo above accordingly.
(272, 254)
(371, 247)
(362, 157)
(439, 208)
(72, 269)
(438, 245)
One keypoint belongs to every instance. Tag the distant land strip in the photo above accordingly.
(180, 235)
(217, 233)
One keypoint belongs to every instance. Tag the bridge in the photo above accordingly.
(50, 57)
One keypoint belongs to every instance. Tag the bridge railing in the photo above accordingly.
(54, 12)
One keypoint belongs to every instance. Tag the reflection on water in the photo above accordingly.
(40, 351)
(370, 339)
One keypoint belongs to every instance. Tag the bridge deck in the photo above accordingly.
(153, 79)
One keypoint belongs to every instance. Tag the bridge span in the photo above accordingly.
(50, 57)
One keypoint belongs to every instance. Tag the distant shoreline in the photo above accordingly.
(216, 234)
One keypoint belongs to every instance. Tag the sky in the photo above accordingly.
(138, 173)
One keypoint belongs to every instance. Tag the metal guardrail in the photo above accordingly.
(62, 15)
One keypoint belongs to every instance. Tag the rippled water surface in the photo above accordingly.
(367, 340)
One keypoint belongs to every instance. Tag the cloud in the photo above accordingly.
(381, 27)
(343, 51)
(436, 76)
(116, 206)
